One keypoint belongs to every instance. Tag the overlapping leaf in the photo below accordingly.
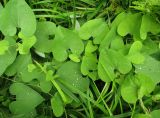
(110, 61)
(135, 87)
(21, 66)
(89, 61)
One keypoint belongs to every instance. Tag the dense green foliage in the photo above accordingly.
(86, 58)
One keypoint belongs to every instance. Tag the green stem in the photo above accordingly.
(134, 107)
(59, 90)
(143, 107)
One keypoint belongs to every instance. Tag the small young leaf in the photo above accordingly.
(27, 43)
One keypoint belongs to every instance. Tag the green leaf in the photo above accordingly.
(27, 99)
(89, 63)
(45, 33)
(27, 43)
(66, 40)
(31, 67)
(127, 26)
(150, 68)
(146, 85)
(45, 85)
(142, 116)
(4, 44)
(149, 24)
(92, 28)
(74, 57)
(134, 54)
(70, 73)
(117, 44)
(57, 105)
(19, 64)
(129, 90)
(105, 67)
(17, 14)
(135, 87)
(155, 113)
(8, 58)
(90, 47)
(49, 75)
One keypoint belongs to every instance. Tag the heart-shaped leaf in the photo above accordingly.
(92, 28)
(17, 14)
(26, 98)
(127, 26)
